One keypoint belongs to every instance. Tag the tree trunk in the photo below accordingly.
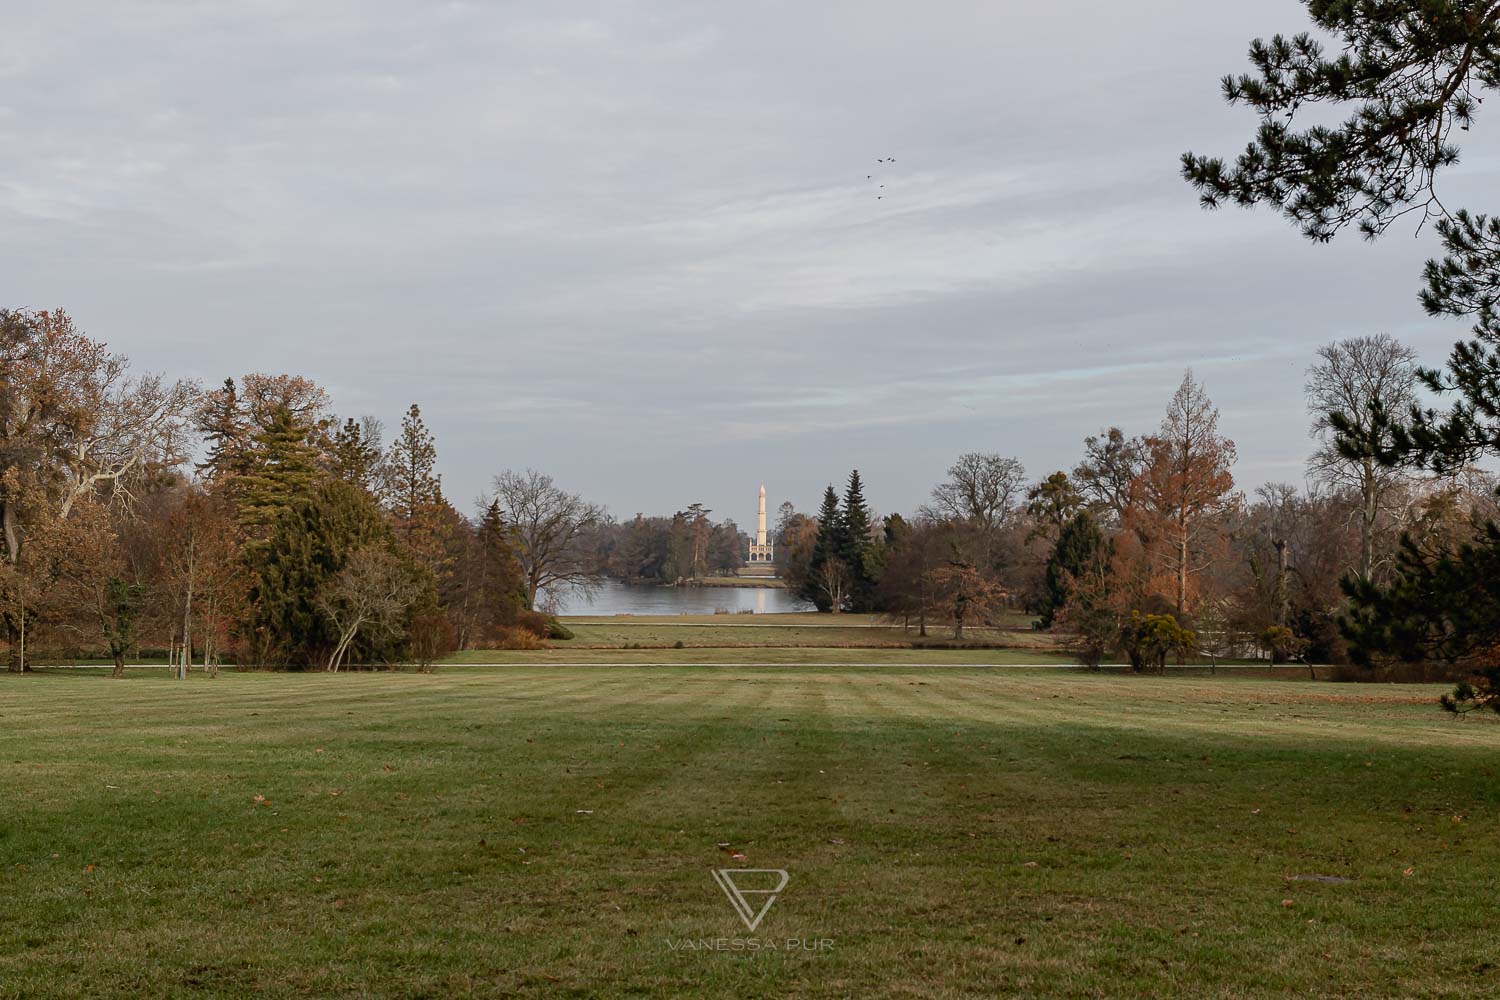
(346, 639)
(119, 656)
(187, 610)
(1182, 572)
(25, 659)
(1283, 596)
(16, 645)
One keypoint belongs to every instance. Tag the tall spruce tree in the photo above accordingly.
(280, 468)
(414, 492)
(828, 547)
(1412, 75)
(502, 593)
(355, 454)
(226, 433)
(855, 547)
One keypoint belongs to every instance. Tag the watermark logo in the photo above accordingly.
(751, 891)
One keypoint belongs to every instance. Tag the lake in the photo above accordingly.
(615, 598)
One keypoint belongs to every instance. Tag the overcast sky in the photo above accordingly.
(634, 244)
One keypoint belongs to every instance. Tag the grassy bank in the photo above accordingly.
(550, 832)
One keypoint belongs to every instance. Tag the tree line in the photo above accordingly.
(1146, 549)
(297, 539)
(683, 548)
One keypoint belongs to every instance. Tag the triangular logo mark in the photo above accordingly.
(749, 894)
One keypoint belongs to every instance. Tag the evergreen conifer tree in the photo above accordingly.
(854, 545)
(310, 541)
(414, 492)
(280, 469)
(828, 546)
(1079, 548)
(226, 433)
(356, 454)
(502, 593)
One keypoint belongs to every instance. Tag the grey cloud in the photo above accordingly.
(634, 243)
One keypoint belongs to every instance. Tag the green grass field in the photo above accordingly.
(565, 654)
(781, 631)
(550, 832)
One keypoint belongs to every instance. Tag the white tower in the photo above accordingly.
(760, 518)
(761, 550)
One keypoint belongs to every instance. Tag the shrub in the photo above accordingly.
(535, 622)
(1148, 639)
(677, 644)
(557, 630)
(431, 637)
(517, 637)
(1282, 643)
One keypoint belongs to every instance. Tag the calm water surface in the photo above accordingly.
(615, 598)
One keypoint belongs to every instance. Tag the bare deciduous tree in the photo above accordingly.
(75, 425)
(372, 593)
(200, 571)
(981, 489)
(1354, 378)
(967, 593)
(832, 578)
(1111, 461)
(101, 588)
(551, 530)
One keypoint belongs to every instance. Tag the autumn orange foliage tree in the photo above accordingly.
(1179, 502)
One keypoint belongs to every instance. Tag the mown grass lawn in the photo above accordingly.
(563, 652)
(550, 831)
(620, 634)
